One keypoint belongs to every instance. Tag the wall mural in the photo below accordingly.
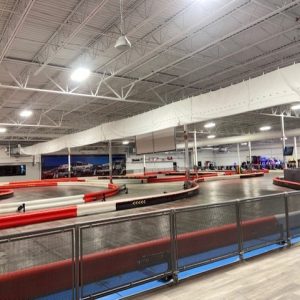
(56, 166)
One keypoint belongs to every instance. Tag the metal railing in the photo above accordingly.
(97, 258)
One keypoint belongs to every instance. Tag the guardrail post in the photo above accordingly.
(173, 246)
(287, 221)
(77, 262)
(239, 229)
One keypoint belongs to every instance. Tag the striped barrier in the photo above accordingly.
(286, 183)
(6, 193)
(172, 176)
(45, 215)
(37, 183)
(41, 204)
(34, 281)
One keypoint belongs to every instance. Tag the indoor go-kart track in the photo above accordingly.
(209, 192)
(52, 250)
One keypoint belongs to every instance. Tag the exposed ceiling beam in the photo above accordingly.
(242, 64)
(32, 125)
(270, 37)
(14, 24)
(221, 39)
(69, 30)
(66, 93)
(139, 58)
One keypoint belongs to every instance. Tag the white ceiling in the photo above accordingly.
(179, 48)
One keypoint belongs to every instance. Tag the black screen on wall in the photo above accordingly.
(288, 150)
(13, 170)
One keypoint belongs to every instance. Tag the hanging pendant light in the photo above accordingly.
(122, 42)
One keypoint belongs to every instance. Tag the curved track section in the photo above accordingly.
(44, 215)
(6, 193)
(286, 183)
(70, 207)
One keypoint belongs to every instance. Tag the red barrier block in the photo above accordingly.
(112, 190)
(6, 193)
(286, 183)
(18, 185)
(33, 217)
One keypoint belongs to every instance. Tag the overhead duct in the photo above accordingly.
(243, 138)
(275, 88)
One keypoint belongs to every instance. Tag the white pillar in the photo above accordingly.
(69, 162)
(250, 154)
(239, 157)
(295, 151)
(283, 140)
(110, 160)
(186, 153)
(195, 150)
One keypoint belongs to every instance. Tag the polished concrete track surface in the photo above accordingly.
(210, 192)
(34, 193)
(274, 276)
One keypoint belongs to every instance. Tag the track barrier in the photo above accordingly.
(98, 258)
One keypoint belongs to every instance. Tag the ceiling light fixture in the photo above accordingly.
(80, 74)
(244, 144)
(25, 113)
(3, 129)
(210, 125)
(295, 107)
(211, 136)
(122, 42)
(265, 128)
(125, 142)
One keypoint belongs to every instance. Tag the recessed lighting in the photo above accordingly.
(210, 125)
(125, 142)
(3, 129)
(26, 113)
(80, 74)
(244, 144)
(211, 136)
(295, 107)
(265, 128)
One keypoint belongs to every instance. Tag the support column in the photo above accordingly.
(195, 150)
(283, 140)
(144, 163)
(239, 158)
(69, 162)
(296, 151)
(110, 160)
(250, 155)
(186, 153)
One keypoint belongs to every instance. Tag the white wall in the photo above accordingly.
(32, 171)
(231, 157)
(219, 158)
(178, 157)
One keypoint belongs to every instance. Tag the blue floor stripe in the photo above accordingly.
(208, 267)
(122, 278)
(262, 250)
